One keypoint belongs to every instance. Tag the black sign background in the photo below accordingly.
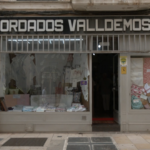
(66, 24)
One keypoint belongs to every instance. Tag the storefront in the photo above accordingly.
(46, 71)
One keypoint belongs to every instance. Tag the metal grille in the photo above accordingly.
(25, 142)
(101, 140)
(74, 43)
(78, 140)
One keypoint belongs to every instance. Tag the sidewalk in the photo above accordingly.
(59, 141)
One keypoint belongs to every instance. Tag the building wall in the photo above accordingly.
(77, 5)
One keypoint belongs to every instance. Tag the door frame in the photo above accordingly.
(91, 86)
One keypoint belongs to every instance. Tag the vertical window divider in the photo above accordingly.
(11, 43)
(43, 42)
(48, 42)
(129, 42)
(139, 42)
(53, 43)
(118, 43)
(113, 43)
(80, 43)
(27, 43)
(145, 43)
(97, 42)
(124, 42)
(64, 43)
(134, 43)
(86, 47)
(1, 43)
(6, 43)
(69, 43)
(32, 43)
(22, 43)
(17, 43)
(59, 43)
(74, 43)
(38, 43)
(91, 46)
(108, 42)
(102, 43)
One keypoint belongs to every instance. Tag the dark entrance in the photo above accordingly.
(105, 92)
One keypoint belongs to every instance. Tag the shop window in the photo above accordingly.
(44, 82)
(140, 83)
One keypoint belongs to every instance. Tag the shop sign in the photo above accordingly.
(70, 25)
(123, 70)
(83, 82)
(123, 60)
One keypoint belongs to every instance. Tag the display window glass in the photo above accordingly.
(44, 82)
(140, 83)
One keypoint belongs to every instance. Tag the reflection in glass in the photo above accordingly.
(9, 43)
(30, 43)
(66, 42)
(40, 43)
(46, 43)
(25, 43)
(19, 43)
(35, 43)
(46, 82)
(14, 43)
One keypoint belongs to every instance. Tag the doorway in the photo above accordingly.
(105, 92)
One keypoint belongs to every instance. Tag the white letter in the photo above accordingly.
(52, 26)
(146, 24)
(139, 23)
(127, 24)
(80, 25)
(58, 25)
(31, 26)
(2, 26)
(38, 25)
(19, 25)
(98, 29)
(72, 26)
(111, 25)
(89, 29)
(117, 24)
(13, 24)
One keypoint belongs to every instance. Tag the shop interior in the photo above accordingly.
(44, 82)
(105, 87)
(140, 83)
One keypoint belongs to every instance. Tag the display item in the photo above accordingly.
(19, 99)
(28, 109)
(66, 101)
(147, 106)
(76, 107)
(18, 108)
(60, 109)
(136, 103)
(143, 97)
(147, 88)
(137, 71)
(50, 108)
(136, 90)
(76, 97)
(40, 109)
(13, 91)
